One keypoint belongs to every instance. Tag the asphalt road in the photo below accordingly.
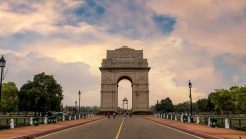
(120, 128)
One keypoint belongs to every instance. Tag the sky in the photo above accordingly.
(198, 40)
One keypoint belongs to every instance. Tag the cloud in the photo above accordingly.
(73, 76)
(201, 41)
(138, 21)
(207, 24)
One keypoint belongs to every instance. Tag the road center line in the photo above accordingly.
(118, 133)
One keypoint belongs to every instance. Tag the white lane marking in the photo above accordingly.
(68, 129)
(176, 130)
(118, 133)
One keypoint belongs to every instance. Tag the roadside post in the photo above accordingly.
(11, 123)
(227, 123)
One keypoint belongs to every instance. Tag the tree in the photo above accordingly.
(153, 108)
(211, 106)
(202, 105)
(182, 107)
(167, 105)
(223, 100)
(9, 101)
(240, 99)
(42, 94)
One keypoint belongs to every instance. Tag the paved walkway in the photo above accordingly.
(201, 130)
(34, 131)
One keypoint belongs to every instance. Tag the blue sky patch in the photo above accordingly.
(18, 40)
(164, 23)
(89, 11)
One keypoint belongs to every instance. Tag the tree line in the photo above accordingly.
(40, 95)
(220, 101)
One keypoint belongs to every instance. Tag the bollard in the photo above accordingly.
(31, 121)
(79, 116)
(63, 118)
(189, 118)
(12, 124)
(181, 118)
(209, 121)
(69, 117)
(75, 117)
(171, 116)
(227, 124)
(45, 120)
(176, 119)
(197, 120)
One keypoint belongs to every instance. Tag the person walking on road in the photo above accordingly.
(108, 115)
(114, 114)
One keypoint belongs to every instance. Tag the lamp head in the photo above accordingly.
(190, 85)
(2, 62)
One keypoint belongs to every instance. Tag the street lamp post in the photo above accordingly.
(2, 65)
(79, 100)
(190, 86)
(75, 107)
(157, 103)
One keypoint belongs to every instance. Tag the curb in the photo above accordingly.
(200, 134)
(34, 135)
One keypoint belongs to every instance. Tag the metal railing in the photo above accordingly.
(26, 121)
(238, 123)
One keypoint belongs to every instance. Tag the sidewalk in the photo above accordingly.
(35, 131)
(201, 130)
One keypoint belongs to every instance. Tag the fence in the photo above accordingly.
(238, 123)
(25, 121)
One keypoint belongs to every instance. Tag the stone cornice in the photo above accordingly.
(124, 68)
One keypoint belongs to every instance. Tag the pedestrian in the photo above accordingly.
(108, 115)
(114, 114)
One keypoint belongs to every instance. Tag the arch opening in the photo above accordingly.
(124, 78)
(124, 92)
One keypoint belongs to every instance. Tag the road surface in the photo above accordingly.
(134, 127)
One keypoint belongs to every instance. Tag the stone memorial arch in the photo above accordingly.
(124, 63)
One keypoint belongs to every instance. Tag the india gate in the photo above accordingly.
(124, 63)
